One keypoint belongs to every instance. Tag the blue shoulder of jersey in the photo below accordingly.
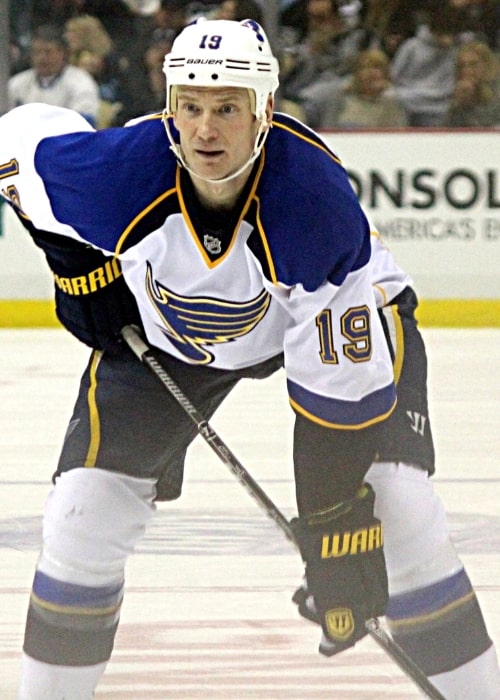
(311, 218)
(99, 182)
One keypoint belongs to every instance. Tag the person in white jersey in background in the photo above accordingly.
(233, 239)
(51, 80)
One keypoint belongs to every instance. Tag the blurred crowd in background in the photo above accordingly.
(344, 64)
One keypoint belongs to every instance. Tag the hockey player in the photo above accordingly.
(238, 249)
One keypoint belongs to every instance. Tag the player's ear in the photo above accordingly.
(269, 110)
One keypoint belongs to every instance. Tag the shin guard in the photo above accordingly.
(92, 522)
(433, 612)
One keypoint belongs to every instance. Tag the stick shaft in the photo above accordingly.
(405, 663)
(146, 355)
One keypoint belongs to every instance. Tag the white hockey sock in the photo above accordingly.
(92, 522)
(433, 612)
(41, 681)
(479, 678)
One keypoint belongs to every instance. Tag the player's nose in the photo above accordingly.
(207, 129)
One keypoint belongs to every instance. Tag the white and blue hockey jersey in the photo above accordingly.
(293, 276)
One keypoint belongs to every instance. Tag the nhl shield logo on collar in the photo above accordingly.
(212, 244)
(340, 623)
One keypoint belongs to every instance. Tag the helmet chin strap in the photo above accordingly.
(257, 148)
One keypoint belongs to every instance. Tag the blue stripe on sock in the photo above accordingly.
(430, 599)
(60, 593)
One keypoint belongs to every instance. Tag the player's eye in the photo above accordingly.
(188, 107)
(228, 109)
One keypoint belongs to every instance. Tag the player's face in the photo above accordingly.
(217, 129)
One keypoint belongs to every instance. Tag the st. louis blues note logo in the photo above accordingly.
(192, 322)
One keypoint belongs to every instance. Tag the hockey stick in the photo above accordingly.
(374, 629)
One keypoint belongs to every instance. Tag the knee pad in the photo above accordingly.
(417, 543)
(92, 521)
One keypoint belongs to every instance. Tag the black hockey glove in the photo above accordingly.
(345, 570)
(92, 299)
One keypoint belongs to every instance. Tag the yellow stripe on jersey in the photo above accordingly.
(94, 420)
(314, 141)
(263, 238)
(140, 216)
(395, 326)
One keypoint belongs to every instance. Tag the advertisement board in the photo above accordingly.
(435, 198)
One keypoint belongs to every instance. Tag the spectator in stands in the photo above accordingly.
(331, 43)
(478, 20)
(399, 29)
(423, 70)
(91, 48)
(366, 99)
(86, 34)
(129, 24)
(153, 59)
(311, 68)
(170, 18)
(392, 21)
(471, 107)
(51, 80)
(476, 97)
(19, 15)
(293, 18)
(239, 10)
(477, 61)
(56, 12)
(377, 15)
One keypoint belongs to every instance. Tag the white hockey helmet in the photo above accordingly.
(223, 53)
